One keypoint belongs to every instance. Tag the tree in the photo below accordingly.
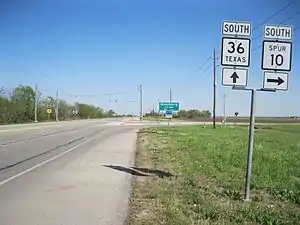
(111, 113)
(19, 107)
(64, 110)
(5, 110)
(89, 111)
(205, 113)
(193, 113)
(182, 114)
(23, 100)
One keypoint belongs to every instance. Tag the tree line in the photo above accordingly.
(18, 106)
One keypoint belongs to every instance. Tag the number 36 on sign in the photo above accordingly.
(235, 52)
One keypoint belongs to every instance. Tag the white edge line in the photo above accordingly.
(44, 162)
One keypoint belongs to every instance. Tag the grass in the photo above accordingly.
(208, 168)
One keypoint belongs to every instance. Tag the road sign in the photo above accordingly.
(236, 28)
(276, 81)
(277, 55)
(169, 114)
(234, 77)
(171, 106)
(49, 111)
(278, 32)
(235, 52)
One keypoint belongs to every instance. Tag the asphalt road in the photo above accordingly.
(66, 173)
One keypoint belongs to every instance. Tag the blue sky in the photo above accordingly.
(95, 47)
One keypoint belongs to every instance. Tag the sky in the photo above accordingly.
(98, 51)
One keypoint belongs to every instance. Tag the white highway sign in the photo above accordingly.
(277, 55)
(235, 52)
(276, 81)
(236, 28)
(278, 32)
(234, 77)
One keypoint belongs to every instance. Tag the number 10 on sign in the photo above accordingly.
(235, 52)
(276, 55)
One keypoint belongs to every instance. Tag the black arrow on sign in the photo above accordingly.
(278, 81)
(234, 76)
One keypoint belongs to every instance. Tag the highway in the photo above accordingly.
(65, 173)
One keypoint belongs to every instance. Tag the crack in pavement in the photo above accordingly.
(40, 136)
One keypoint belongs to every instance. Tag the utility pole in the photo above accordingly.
(77, 108)
(153, 111)
(215, 90)
(141, 102)
(36, 103)
(224, 108)
(170, 93)
(57, 104)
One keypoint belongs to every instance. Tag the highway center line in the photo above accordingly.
(36, 137)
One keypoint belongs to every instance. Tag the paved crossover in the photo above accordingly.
(65, 173)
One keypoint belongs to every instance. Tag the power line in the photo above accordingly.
(296, 28)
(272, 16)
(46, 90)
(275, 14)
(289, 18)
(282, 22)
(259, 46)
(95, 95)
(203, 64)
(256, 48)
(200, 67)
(204, 71)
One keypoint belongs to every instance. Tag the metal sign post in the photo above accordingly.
(250, 145)
(250, 141)
(276, 61)
(236, 53)
(250, 138)
(169, 115)
(49, 111)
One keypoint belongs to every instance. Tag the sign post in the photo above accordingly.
(49, 111)
(168, 108)
(236, 53)
(276, 63)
